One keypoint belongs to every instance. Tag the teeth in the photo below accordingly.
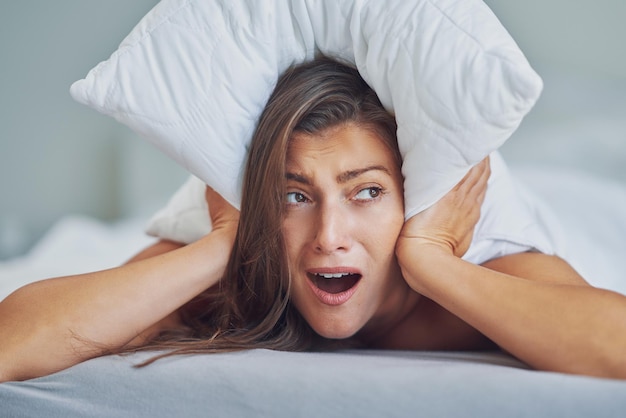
(332, 275)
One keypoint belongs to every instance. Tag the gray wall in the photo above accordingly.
(57, 157)
(577, 46)
(569, 36)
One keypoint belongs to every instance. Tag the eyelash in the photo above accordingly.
(295, 194)
(376, 189)
(301, 198)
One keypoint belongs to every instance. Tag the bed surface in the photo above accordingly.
(342, 384)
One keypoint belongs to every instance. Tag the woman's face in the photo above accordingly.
(344, 213)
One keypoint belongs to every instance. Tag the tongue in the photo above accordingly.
(336, 285)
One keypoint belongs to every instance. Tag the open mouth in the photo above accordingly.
(334, 283)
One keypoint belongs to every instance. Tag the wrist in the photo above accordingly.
(225, 233)
(214, 251)
(411, 248)
(422, 262)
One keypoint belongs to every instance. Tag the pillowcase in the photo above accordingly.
(194, 75)
(185, 218)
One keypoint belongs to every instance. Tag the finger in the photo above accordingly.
(481, 195)
(213, 198)
(474, 174)
(479, 190)
(475, 181)
(473, 189)
(208, 191)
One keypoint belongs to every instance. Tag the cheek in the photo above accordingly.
(388, 222)
(294, 233)
(385, 240)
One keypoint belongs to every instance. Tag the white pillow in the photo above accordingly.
(194, 75)
(185, 218)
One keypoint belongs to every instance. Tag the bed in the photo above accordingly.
(587, 195)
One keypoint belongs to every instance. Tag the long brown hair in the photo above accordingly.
(251, 308)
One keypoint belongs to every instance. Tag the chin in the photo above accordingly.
(335, 330)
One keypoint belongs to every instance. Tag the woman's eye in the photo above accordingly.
(296, 197)
(368, 193)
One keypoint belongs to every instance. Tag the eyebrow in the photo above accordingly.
(342, 177)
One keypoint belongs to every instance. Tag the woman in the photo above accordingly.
(321, 257)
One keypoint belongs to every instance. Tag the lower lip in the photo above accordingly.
(332, 299)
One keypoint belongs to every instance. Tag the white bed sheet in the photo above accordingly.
(355, 383)
(75, 244)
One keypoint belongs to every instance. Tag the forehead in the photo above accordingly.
(348, 141)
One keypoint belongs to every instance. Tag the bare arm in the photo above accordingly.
(532, 305)
(53, 324)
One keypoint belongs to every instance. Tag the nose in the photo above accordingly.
(332, 230)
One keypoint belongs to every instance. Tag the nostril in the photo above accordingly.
(329, 248)
(331, 230)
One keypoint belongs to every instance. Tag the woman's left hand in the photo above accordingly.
(449, 223)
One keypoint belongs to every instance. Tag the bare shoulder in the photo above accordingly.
(537, 266)
(431, 327)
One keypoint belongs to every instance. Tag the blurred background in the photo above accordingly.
(59, 158)
(578, 49)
